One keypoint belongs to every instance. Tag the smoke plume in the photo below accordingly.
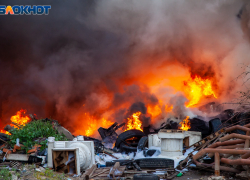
(101, 57)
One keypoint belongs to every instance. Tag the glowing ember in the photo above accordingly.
(185, 124)
(134, 122)
(196, 88)
(5, 132)
(20, 118)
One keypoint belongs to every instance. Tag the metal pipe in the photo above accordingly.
(233, 142)
(223, 151)
(247, 140)
(245, 156)
(223, 168)
(227, 147)
(217, 164)
(247, 125)
(234, 135)
(231, 147)
(236, 161)
(243, 128)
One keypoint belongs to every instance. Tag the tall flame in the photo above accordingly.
(185, 124)
(134, 122)
(196, 88)
(93, 124)
(20, 118)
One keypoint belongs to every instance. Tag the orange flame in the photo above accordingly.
(196, 88)
(20, 118)
(134, 122)
(154, 110)
(5, 132)
(185, 124)
(168, 108)
(93, 124)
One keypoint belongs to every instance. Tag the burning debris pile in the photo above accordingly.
(168, 151)
(140, 87)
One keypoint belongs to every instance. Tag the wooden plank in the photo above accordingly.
(135, 172)
(75, 162)
(121, 171)
(54, 154)
(67, 156)
(96, 174)
(89, 172)
(95, 167)
(58, 163)
(3, 140)
(110, 155)
(115, 167)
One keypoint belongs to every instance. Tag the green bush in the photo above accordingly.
(33, 130)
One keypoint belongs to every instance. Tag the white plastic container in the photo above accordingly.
(51, 141)
(171, 142)
(59, 144)
(85, 151)
(80, 138)
(154, 140)
(193, 136)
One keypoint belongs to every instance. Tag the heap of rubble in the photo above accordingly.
(165, 153)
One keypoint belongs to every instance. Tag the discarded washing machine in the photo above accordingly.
(73, 156)
(171, 142)
(189, 137)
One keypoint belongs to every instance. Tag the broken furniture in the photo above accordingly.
(84, 151)
(110, 131)
(66, 160)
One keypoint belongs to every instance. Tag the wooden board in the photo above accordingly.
(103, 173)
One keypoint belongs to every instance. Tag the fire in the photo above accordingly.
(93, 124)
(134, 122)
(20, 118)
(154, 110)
(185, 124)
(168, 108)
(5, 132)
(196, 88)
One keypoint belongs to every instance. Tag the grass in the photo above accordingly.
(50, 174)
(5, 174)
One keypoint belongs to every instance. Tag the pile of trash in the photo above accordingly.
(166, 153)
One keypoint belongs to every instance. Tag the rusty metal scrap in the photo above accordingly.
(234, 144)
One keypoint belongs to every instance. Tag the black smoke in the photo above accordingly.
(87, 56)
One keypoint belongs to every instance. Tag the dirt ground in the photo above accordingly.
(203, 175)
(193, 174)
